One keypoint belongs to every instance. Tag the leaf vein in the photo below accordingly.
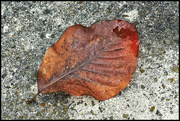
(89, 80)
(95, 72)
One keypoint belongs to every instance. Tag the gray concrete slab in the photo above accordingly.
(29, 28)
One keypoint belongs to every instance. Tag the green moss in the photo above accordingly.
(43, 110)
(142, 86)
(15, 86)
(162, 98)
(72, 108)
(164, 86)
(92, 103)
(149, 47)
(125, 16)
(142, 71)
(152, 108)
(2, 56)
(125, 115)
(111, 118)
(42, 35)
(4, 75)
(16, 93)
(101, 109)
(92, 112)
(175, 69)
(54, 111)
(155, 79)
(21, 100)
(21, 61)
(64, 109)
(165, 73)
(55, 104)
(149, 67)
(175, 96)
(11, 104)
(53, 35)
(17, 58)
(38, 114)
(33, 76)
(171, 80)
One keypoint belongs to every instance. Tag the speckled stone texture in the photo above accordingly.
(29, 28)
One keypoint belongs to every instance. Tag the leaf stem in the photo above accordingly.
(29, 101)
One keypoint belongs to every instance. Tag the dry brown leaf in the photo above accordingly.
(98, 60)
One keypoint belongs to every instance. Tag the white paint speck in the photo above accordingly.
(5, 29)
(131, 15)
(48, 35)
(34, 88)
(59, 21)
(121, 4)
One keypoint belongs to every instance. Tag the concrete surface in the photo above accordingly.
(29, 28)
